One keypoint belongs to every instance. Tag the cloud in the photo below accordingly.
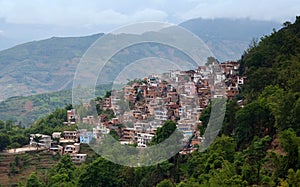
(74, 13)
(277, 10)
(119, 12)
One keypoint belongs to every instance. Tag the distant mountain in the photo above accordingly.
(49, 65)
(228, 38)
(41, 66)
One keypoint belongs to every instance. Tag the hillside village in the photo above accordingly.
(140, 108)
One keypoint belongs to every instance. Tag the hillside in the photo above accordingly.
(49, 65)
(41, 66)
(228, 38)
(26, 110)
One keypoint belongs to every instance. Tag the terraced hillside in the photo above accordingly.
(18, 167)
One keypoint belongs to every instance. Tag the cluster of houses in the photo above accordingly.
(66, 142)
(144, 106)
(180, 96)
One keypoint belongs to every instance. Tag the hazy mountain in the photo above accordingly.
(41, 66)
(228, 38)
(49, 65)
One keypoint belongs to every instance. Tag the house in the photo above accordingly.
(128, 134)
(232, 91)
(56, 149)
(56, 135)
(69, 149)
(99, 131)
(241, 80)
(161, 114)
(85, 136)
(143, 139)
(72, 149)
(195, 142)
(71, 117)
(78, 158)
(71, 135)
(89, 120)
(190, 88)
(107, 103)
(44, 141)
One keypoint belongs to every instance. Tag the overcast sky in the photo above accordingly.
(46, 18)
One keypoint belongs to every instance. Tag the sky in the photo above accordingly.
(36, 19)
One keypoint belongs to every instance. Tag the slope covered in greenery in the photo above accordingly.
(26, 110)
(41, 66)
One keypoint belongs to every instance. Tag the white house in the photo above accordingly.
(45, 140)
(143, 139)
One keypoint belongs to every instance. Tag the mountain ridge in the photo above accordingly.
(49, 65)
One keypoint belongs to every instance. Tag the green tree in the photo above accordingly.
(4, 141)
(63, 172)
(165, 183)
(163, 132)
(252, 120)
(33, 181)
(211, 60)
(114, 134)
(204, 118)
(229, 120)
(2, 124)
(101, 173)
(20, 139)
(291, 145)
(293, 179)
(37, 139)
(255, 154)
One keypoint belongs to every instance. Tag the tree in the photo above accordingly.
(164, 132)
(293, 179)
(33, 181)
(165, 183)
(63, 172)
(225, 146)
(291, 145)
(68, 106)
(101, 173)
(114, 134)
(211, 60)
(9, 124)
(20, 139)
(2, 124)
(229, 120)
(4, 141)
(37, 139)
(254, 158)
(252, 120)
(204, 118)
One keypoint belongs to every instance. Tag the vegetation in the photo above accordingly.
(12, 135)
(164, 132)
(41, 66)
(26, 110)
